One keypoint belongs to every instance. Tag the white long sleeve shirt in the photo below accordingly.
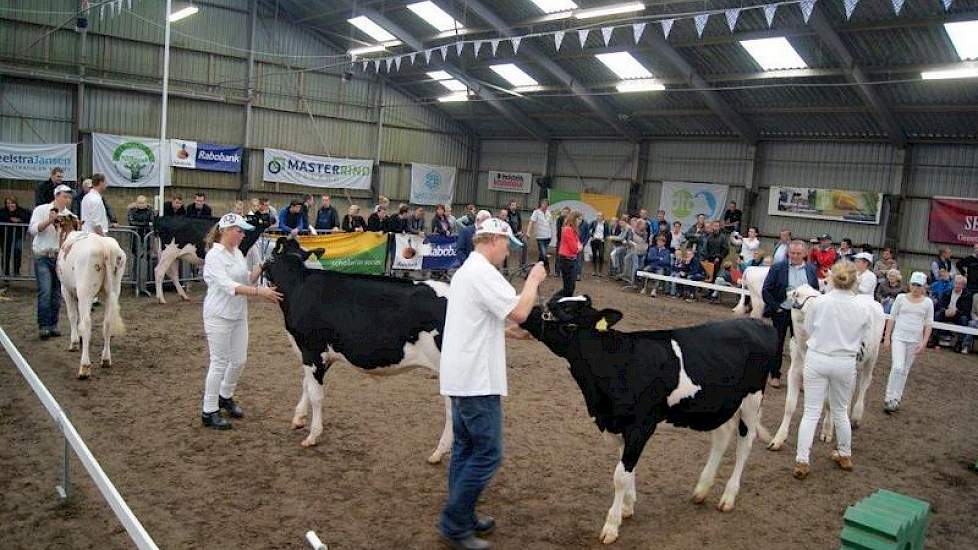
(93, 213)
(909, 319)
(867, 283)
(224, 271)
(45, 243)
(835, 324)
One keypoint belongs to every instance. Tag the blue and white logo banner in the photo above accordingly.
(22, 161)
(683, 201)
(299, 169)
(432, 184)
(219, 158)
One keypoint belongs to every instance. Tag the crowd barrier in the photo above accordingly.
(137, 533)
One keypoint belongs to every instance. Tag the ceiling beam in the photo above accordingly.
(814, 110)
(823, 29)
(529, 51)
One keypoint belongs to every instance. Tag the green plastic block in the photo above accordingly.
(885, 521)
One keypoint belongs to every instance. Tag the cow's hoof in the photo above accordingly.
(84, 372)
(775, 445)
(609, 534)
(825, 437)
(699, 497)
(854, 423)
(298, 422)
(185, 298)
(436, 457)
(106, 363)
(726, 505)
(74, 346)
(627, 510)
(308, 442)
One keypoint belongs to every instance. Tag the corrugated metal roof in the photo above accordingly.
(822, 125)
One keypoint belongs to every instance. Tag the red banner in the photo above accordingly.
(953, 221)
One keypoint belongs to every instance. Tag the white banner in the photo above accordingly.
(22, 161)
(432, 184)
(513, 182)
(408, 251)
(682, 201)
(291, 167)
(183, 153)
(127, 161)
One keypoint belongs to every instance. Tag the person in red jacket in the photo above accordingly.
(570, 247)
(823, 256)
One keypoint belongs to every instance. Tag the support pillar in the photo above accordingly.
(640, 165)
(248, 117)
(894, 202)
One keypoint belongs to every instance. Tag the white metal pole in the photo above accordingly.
(164, 154)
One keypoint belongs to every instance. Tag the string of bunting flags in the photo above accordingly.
(699, 20)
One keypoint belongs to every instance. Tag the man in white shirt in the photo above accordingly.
(45, 245)
(866, 280)
(93, 214)
(541, 229)
(473, 374)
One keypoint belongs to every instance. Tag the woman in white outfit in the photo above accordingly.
(907, 330)
(835, 324)
(866, 282)
(747, 245)
(226, 316)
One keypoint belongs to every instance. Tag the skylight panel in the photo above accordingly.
(613, 9)
(434, 16)
(624, 65)
(373, 30)
(447, 81)
(964, 36)
(640, 85)
(555, 6)
(514, 75)
(774, 54)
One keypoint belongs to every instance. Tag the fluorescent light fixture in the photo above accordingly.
(774, 54)
(640, 85)
(609, 10)
(439, 75)
(514, 75)
(555, 6)
(969, 72)
(462, 96)
(183, 13)
(964, 36)
(371, 29)
(368, 49)
(624, 65)
(434, 16)
(448, 81)
(528, 89)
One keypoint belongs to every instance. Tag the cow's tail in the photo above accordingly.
(114, 264)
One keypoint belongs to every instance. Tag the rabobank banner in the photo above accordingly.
(22, 161)
(434, 252)
(291, 167)
(205, 156)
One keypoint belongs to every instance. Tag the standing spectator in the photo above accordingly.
(660, 217)
(541, 231)
(866, 281)
(451, 218)
(620, 237)
(943, 261)
(953, 308)
(759, 259)
(291, 220)
(140, 216)
(86, 186)
(567, 252)
(677, 240)
(254, 206)
(307, 203)
(515, 220)
(638, 247)
(969, 268)
(263, 219)
(731, 218)
(353, 222)
(11, 237)
(464, 244)
(416, 222)
(584, 236)
(377, 220)
(599, 231)
(199, 208)
(835, 324)
(643, 215)
(715, 250)
(783, 277)
(440, 224)
(467, 218)
(967, 340)
(559, 225)
(327, 219)
(781, 247)
(747, 245)
(886, 263)
(907, 329)
(845, 251)
(93, 215)
(658, 260)
(174, 207)
(45, 246)
(941, 285)
(889, 289)
(697, 233)
(823, 256)
(44, 192)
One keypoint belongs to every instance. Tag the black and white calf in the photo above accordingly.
(707, 378)
(379, 324)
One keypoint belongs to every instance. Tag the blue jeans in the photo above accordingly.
(48, 292)
(542, 245)
(968, 339)
(477, 423)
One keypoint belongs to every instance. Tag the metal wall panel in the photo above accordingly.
(606, 160)
(856, 166)
(512, 156)
(402, 145)
(205, 121)
(944, 170)
(706, 162)
(33, 112)
(119, 112)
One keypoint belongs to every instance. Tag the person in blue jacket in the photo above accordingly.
(785, 275)
(463, 244)
(657, 260)
(291, 219)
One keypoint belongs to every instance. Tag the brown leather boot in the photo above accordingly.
(801, 470)
(843, 462)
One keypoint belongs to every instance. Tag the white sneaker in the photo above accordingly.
(642, 292)
(653, 293)
(964, 351)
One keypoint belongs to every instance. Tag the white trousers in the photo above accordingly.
(228, 343)
(833, 376)
(903, 356)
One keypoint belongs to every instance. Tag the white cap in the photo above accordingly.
(62, 189)
(231, 219)
(918, 278)
(864, 256)
(495, 226)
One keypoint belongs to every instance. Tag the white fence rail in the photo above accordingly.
(135, 529)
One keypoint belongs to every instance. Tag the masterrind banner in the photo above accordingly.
(953, 221)
(25, 161)
(127, 161)
(511, 182)
(290, 167)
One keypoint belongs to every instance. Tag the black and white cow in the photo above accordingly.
(379, 324)
(707, 378)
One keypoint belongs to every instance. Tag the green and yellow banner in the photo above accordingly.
(364, 253)
(588, 204)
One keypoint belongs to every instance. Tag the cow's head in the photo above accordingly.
(566, 318)
(801, 301)
(287, 261)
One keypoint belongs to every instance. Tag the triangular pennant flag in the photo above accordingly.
(444, 52)
(558, 38)
(397, 62)
(477, 47)
(667, 26)
(638, 29)
(582, 36)
(494, 45)
(769, 11)
(850, 6)
(897, 6)
(458, 48)
(412, 57)
(516, 43)
(606, 34)
(732, 16)
(427, 57)
(365, 63)
(101, 12)
(377, 66)
(807, 6)
(947, 4)
(129, 4)
(700, 21)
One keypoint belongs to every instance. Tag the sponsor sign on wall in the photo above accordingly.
(435, 252)
(682, 201)
(205, 156)
(291, 167)
(127, 161)
(23, 161)
(513, 182)
(588, 204)
(953, 221)
(432, 184)
(364, 252)
(826, 204)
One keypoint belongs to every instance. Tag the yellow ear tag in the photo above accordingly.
(602, 325)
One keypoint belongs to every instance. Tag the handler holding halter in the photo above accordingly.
(45, 246)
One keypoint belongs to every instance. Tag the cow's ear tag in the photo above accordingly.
(601, 325)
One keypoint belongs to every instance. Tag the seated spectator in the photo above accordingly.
(696, 235)
(416, 221)
(441, 224)
(759, 258)
(621, 235)
(823, 256)
(467, 218)
(658, 260)
(713, 253)
(941, 285)
(377, 220)
(12, 237)
(254, 206)
(954, 308)
(969, 268)
(728, 274)
(866, 281)
(199, 208)
(327, 219)
(291, 220)
(353, 222)
(889, 289)
(398, 221)
(689, 267)
(943, 260)
(239, 207)
(885, 263)
(677, 240)
(845, 251)
(967, 341)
